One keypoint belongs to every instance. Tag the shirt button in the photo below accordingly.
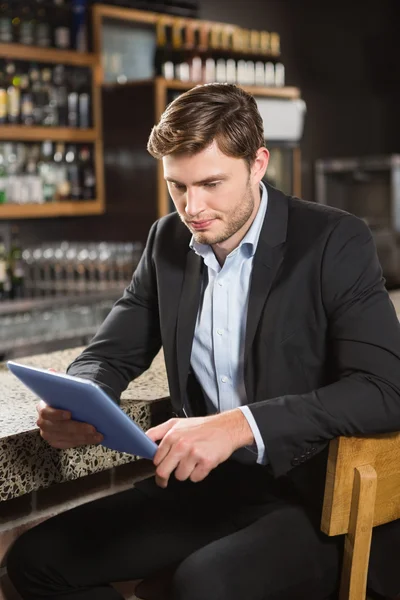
(219, 331)
(224, 379)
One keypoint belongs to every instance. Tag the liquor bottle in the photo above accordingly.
(13, 93)
(5, 286)
(43, 32)
(16, 266)
(209, 72)
(27, 26)
(258, 64)
(275, 44)
(50, 114)
(34, 181)
(227, 45)
(188, 51)
(196, 66)
(38, 97)
(241, 66)
(181, 67)
(73, 172)
(47, 172)
(60, 95)
(6, 28)
(163, 64)
(61, 26)
(15, 20)
(27, 117)
(3, 94)
(83, 83)
(62, 183)
(73, 100)
(3, 176)
(88, 177)
(79, 28)
(279, 74)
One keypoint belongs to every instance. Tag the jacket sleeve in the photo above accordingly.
(129, 338)
(364, 338)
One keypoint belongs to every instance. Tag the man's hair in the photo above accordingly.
(214, 111)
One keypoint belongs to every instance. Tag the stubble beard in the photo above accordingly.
(234, 221)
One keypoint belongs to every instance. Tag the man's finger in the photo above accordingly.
(52, 414)
(158, 432)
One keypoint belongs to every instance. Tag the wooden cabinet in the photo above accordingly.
(25, 133)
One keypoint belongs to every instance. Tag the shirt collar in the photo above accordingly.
(250, 240)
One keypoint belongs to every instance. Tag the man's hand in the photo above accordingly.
(193, 447)
(60, 431)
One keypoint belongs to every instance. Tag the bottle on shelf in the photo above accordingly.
(27, 26)
(83, 84)
(196, 63)
(50, 115)
(61, 95)
(5, 285)
(163, 62)
(27, 116)
(79, 26)
(3, 175)
(181, 66)
(228, 47)
(34, 181)
(73, 100)
(73, 172)
(43, 30)
(209, 69)
(47, 172)
(38, 95)
(62, 183)
(88, 177)
(3, 94)
(13, 93)
(16, 266)
(275, 44)
(279, 74)
(61, 25)
(6, 28)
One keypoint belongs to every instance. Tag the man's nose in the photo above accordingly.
(194, 202)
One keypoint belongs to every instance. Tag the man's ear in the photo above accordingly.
(260, 165)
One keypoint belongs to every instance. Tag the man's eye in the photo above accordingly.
(211, 185)
(180, 187)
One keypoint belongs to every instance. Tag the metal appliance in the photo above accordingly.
(368, 187)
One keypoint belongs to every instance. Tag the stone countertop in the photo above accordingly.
(28, 462)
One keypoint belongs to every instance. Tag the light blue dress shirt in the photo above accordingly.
(217, 357)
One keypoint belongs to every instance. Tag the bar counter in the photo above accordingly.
(28, 463)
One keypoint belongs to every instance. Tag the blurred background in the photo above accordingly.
(81, 85)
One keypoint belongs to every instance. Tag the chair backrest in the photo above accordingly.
(346, 454)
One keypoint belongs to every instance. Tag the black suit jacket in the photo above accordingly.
(322, 347)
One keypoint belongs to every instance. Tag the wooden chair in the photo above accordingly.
(362, 490)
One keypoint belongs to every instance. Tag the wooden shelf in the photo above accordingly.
(24, 133)
(47, 55)
(273, 92)
(291, 93)
(51, 209)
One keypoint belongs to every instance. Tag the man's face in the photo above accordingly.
(212, 193)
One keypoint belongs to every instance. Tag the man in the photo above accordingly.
(278, 336)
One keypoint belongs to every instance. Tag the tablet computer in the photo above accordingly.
(87, 403)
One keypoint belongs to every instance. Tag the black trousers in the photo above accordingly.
(235, 535)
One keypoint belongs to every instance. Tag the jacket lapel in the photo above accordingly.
(267, 260)
(187, 313)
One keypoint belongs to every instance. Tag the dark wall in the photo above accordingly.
(344, 57)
